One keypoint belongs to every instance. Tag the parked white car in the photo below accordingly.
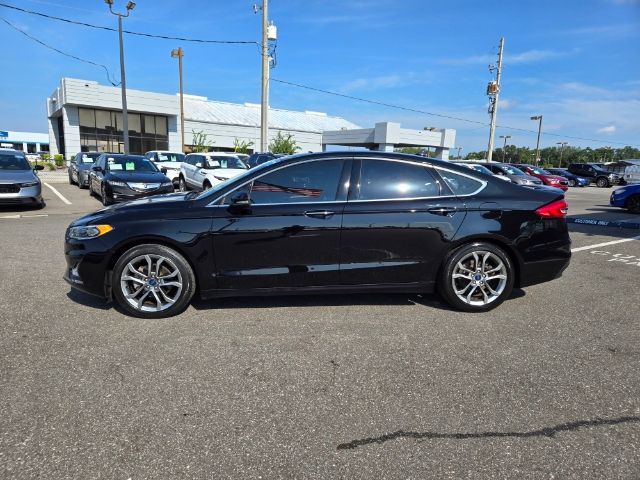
(172, 161)
(201, 171)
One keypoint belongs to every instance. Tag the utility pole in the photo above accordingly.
(562, 144)
(179, 53)
(505, 146)
(493, 90)
(264, 106)
(459, 148)
(539, 118)
(123, 83)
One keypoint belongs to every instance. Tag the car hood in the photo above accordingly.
(177, 200)
(227, 172)
(17, 176)
(138, 177)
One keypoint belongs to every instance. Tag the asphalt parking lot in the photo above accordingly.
(359, 386)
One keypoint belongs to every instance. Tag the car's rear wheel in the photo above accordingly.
(572, 183)
(71, 182)
(602, 182)
(153, 281)
(633, 204)
(182, 185)
(476, 277)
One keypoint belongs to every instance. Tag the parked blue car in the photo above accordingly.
(627, 197)
(574, 180)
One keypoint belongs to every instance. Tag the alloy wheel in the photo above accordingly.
(479, 278)
(182, 185)
(151, 283)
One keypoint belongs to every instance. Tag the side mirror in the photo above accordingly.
(240, 199)
(38, 167)
(163, 170)
(199, 165)
(96, 169)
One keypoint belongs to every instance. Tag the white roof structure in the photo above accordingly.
(199, 109)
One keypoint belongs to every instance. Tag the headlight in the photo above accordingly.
(167, 184)
(620, 191)
(613, 176)
(89, 231)
(528, 182)
(115, 183)
(553, 180)
(222, 179)
(29, 184)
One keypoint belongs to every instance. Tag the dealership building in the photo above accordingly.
(28, 142)
(86, 116)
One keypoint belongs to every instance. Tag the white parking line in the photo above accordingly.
(60, 196)
(589, 247)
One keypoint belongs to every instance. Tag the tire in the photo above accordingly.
(103, 196)
(182, 185)
(484, 295)
(633, 204)
(159, 299)
(602, 182)
(71, 182)
(82, 184)
(572, 183)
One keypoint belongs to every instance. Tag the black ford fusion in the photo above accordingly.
(324, 223)
(117, 178)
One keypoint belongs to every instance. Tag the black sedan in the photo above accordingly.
(324, 223)
(117, 178)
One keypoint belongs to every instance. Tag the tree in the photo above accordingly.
(283, 143)
(200, 142)
(242, 146)
(410, 150)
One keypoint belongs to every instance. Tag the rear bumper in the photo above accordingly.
(552, 260)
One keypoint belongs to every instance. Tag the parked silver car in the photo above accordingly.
(19, 185)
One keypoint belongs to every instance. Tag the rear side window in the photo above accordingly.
(301, 183)
(387, 180)
(460, 184)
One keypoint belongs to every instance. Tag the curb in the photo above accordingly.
(604, 223)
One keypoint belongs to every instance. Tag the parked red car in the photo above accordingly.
(547, 178)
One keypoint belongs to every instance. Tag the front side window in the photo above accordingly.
(460, 184)
(302, 183)
(386, 180)
(214, 162)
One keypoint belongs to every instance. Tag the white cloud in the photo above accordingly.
(608, 130)
(529, 56)
(506, 104)
(375, 83)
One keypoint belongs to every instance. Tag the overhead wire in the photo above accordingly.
(50, 47)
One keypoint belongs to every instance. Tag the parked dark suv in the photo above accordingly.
(596, 174)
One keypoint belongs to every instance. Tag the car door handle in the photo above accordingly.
(444, 211)
(319, 214)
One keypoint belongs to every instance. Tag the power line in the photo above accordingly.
(450, 117)
(141, 34)
(60, 51)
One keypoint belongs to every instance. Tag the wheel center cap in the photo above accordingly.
(477, 277)
(153, 282)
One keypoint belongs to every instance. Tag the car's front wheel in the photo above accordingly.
(153, 281)
(476, 277)
(572, 183)
(633, 204)
(106, 201)
(602, 182)
(182, 185)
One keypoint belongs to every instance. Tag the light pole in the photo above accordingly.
(179, 53)
(562, 144)
(539, 118)
(459, 148)
(123, 83)
(504, 153)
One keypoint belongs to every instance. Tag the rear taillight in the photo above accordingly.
(557, 209)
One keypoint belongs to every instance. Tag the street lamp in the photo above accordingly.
(562, 144)
(179, 53)
(505, 146)
(539, 118)
(123, 83)
(459, 148)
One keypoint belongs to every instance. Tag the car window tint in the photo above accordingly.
(460, 184)
(382, 179)
(304, 182)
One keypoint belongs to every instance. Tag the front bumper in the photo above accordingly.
(87, 266)
(24, 196)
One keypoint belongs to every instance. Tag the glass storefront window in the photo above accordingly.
(161, 125)
(149, 124)
(134, 124)
(87, 118)
(103, 121)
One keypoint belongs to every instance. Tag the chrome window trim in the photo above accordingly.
(411, 162)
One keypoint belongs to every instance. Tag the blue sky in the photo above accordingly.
(577, 62)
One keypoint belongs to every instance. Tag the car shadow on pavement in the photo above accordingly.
(88, 300)
(336, 300)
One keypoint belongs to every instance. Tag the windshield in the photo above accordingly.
(511, 170)
(13, 161)
(170, 157)
(539, 171)
(225, 162)
(130, 164)
(90, 157)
